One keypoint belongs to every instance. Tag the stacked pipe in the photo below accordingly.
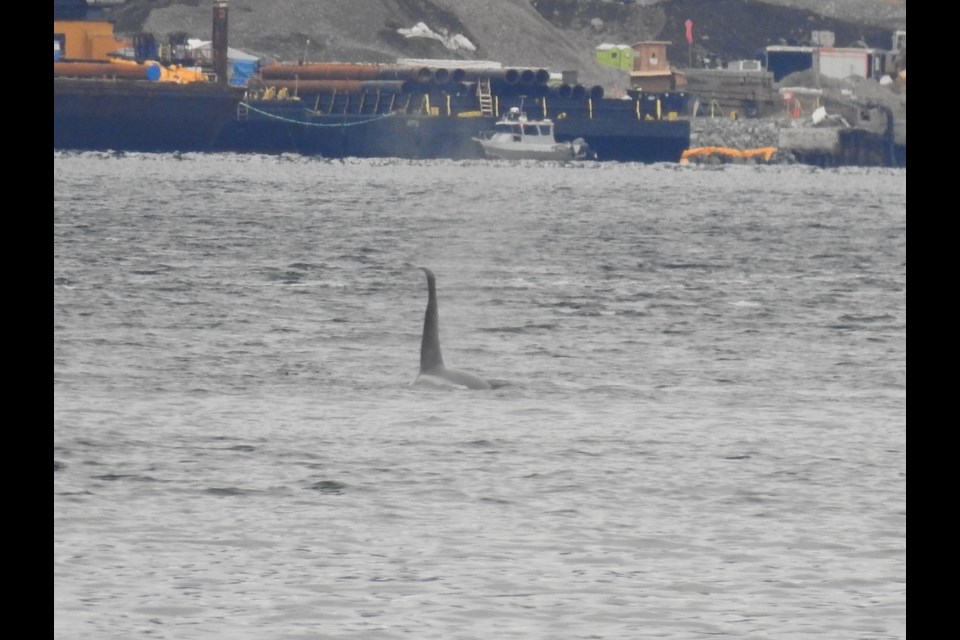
(349, 77)
(406, 73)
(576, 92)
(346, 71)
(122, 71)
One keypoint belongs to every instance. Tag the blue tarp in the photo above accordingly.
(242, 71)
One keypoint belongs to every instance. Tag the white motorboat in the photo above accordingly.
(515, 137)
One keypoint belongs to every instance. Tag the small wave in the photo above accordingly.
(866, 319)
(113, 477)
(481, 443)
(227, 491)
(687, 265)
(332, 487)
(524, 329)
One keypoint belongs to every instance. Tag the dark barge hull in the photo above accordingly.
(92, 114)
(162, 117)
(419, 136)
(291, 127)
(629, 140)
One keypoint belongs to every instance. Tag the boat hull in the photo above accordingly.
(164, 117)
(629, 140)
(505, 153)
(140, 116)
(292, 127)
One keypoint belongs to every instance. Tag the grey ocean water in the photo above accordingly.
(702, 432)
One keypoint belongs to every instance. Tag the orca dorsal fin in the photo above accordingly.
(430, 356)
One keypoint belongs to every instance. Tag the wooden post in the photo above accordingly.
(219, 41)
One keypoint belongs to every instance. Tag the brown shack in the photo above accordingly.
(651, 69)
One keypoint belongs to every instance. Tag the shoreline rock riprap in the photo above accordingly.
(742, 134)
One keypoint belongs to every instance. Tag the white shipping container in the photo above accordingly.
(843, 63)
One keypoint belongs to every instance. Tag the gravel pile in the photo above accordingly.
(737, 134)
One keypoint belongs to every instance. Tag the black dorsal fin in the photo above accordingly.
(430, 345)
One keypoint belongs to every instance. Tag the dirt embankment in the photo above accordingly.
(724, 29)
(557, 34)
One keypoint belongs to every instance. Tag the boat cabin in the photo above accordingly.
(517, 125)
(519, 129)
(515, 137)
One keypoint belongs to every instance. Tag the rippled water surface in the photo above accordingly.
(701, 431)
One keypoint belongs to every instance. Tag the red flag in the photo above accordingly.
(689, 24)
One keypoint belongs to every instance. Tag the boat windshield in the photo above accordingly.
(523, 128)
(510, 127)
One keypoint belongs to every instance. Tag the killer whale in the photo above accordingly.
(432, 369)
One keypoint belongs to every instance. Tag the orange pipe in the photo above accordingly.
(101, 70)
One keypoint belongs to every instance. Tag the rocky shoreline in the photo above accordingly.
(742, 134)
(717, 137)
(846, 100)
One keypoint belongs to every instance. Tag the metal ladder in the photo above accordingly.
(485, 97)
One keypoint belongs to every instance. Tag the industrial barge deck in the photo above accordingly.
(408, 122)
(443, 122)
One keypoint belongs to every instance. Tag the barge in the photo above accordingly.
(135, 115)
(153, 101)
(336, 119)
(433, 121)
